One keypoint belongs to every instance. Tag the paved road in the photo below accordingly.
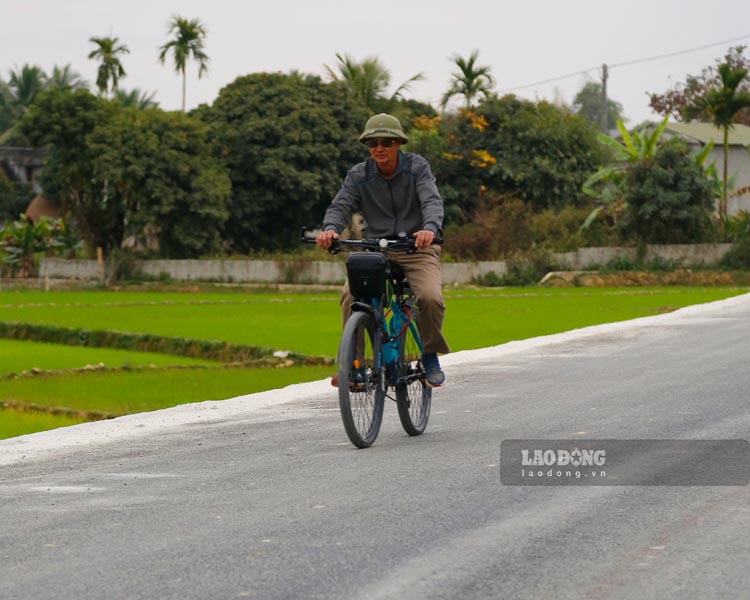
(274, 502)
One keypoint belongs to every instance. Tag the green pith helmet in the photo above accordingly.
(383, 126)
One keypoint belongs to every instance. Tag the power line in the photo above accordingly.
(528, 85)
(670, 54)
(624, 64)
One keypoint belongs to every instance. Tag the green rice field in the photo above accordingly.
(17, 356)
(307, 323)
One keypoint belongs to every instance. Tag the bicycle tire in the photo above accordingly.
(361, 409)
(413, 398)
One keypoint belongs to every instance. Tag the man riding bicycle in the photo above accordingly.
(396, 193)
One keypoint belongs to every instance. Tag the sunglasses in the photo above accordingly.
(386, 143)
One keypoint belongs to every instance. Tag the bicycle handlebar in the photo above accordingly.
(402, 244)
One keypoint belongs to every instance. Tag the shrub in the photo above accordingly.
(22, 241)
(670, 198)
(738, 257)
(737, 227)
(656, 264)
(524, 268)
(560, 230)
(500, 226)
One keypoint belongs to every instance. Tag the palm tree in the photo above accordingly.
(25, 83)
(65, 78)
(137, 98)
(369, 80)
(722, 103)
(188, 41)
(15, 98)
(6, 106)
(108, 51)
(470, 80)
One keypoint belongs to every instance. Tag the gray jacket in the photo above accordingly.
(409, 201)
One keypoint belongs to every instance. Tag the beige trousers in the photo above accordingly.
(422, 269)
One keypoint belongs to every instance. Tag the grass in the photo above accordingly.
(123, 393)
(17, 356)
(14, 423)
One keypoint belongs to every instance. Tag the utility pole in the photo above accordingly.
(603, 122)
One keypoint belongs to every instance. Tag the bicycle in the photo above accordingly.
(381, 347)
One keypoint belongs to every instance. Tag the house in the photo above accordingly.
(23, 164)
(697, 135)
(41, 207)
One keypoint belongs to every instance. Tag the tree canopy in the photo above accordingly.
(287, 141)
(669, 197)
(117, 170)
(588, 104)
(677, 100)
(535, 151)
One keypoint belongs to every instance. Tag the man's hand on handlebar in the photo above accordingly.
(423, 238)
(325, 238)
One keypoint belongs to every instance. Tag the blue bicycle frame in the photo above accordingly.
(388, 355)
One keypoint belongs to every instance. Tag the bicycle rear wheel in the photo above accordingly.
(361, 381)
(413, 395)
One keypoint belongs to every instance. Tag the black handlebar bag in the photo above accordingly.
(366, 272)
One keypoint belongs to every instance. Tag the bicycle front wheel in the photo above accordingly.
(361, 380)
(413, 395)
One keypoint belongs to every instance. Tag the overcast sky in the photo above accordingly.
(523, 42)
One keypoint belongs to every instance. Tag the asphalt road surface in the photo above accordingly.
(267, 499)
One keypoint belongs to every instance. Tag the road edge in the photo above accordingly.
(45, 444)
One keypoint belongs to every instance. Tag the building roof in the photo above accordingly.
(702, 133)
(41, 207)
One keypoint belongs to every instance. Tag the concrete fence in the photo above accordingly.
(303, 271)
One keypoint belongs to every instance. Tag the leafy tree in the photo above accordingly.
(108, 52)
(188, 41)
(427, 139)
(62, 120)
(118, 169)
(588, 104)
(136, 98)
(470, 81)
(368, 80)
(675, 101)
(166, 177)
(670, 198)
(721, 103)
(288, 141)
(535, 151)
